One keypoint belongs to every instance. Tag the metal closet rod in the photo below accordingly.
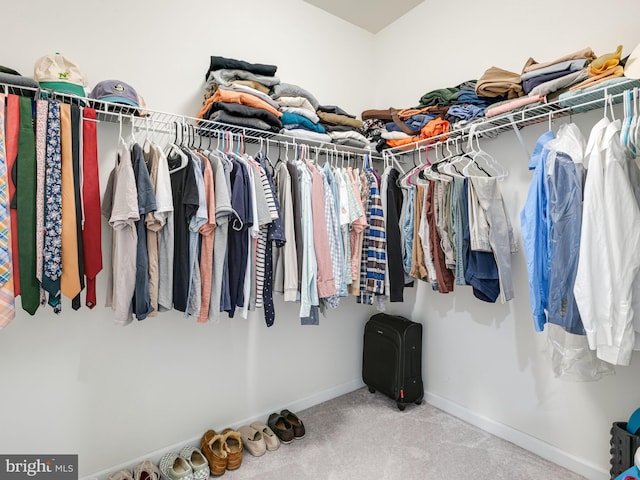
(509, 120)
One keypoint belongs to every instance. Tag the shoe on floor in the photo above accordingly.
(281, 427)
(121, 475)
(174, 467)
(146, 471)
(296, 423)
(233, 444)
(252, 440)
(213, 447)
(270, 439)
(197, 461)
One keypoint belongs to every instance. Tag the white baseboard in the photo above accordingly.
(532, 444)
(295, 406)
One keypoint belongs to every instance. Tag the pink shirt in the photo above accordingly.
(326, 283)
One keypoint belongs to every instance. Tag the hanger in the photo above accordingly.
(484, 162)
(176, 150)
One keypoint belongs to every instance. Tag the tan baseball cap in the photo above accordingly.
(59, 73)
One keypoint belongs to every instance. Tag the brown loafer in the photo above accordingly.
(212, 446)
(296, 423)
(281, 427)
(233, 442)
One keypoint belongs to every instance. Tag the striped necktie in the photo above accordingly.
(7, 301)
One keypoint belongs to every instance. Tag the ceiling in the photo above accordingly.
(372, 15)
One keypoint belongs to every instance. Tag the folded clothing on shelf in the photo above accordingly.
(236, 112)
(223, 63)
(293, 120)
(496, 82)
(514, 104)
(585, 53)
(291, 90)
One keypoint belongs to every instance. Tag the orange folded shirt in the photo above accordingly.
(243, 98)
(437, 126)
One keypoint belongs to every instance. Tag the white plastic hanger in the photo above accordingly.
(482, 164)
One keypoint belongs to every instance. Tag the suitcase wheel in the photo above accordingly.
(372, 390)
(401, 406)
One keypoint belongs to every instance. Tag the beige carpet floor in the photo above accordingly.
(364, 436)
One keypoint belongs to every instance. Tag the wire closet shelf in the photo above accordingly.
(168, 123)
(493, 126)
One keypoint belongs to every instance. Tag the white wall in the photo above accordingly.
(75, 383)
(487, 359)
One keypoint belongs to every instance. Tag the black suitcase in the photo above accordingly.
(392, 358)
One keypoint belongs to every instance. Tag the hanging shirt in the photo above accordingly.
(424, 233)
(160, 261)
(604, 281)
(146, 204)
(285, 258)
(564, 175)
(164, 216)
(535, 234)
(223, 214)
(326, 284)
(122, 217)
(194, 294)
(394, 201)
(207, 231)
(376, 239)
(238, 241)
(407, 220)
(185, 205)
(309, 290)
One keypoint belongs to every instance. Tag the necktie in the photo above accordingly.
(91, 233)
(70, 279)
(52, 262)
(76, 120)
(26, 203)
(12, 133)
(7, 309)
(42, 107)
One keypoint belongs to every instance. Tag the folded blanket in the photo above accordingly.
(229, 119)
(559, 83)
(471, 97)
(232, 96)
(291, 90)
(220, 63)
(303, 122)
(465, 112)
(252, 91)
(301, 111)
(510, 105)
(353, 135)
(567, 66)
(350, 142)
(238, 110)
(225, 77)
(586, 53)
(299, 102)
(334, 109)
(308, 135)
(496, 82)
(440, 97)
(334, 119)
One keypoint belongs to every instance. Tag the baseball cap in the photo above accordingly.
(632, 65)
(59, 73)
(115, 91)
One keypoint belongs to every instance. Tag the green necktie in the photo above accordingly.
(26, 203)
